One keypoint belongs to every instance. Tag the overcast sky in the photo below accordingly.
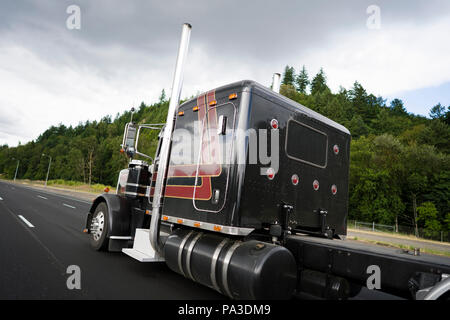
(125, 51)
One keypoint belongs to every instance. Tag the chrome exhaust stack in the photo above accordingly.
(276, 79)
(177, 85)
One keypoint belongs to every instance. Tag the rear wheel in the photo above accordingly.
(99, 227)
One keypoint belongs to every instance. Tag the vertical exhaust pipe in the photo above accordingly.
(276, 82)
(167, 137)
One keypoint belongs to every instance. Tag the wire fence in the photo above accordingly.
(442, 236)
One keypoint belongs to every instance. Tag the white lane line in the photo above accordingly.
(42, 197)
(69, 206)
(26, 221)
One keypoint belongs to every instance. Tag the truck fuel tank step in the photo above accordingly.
(142, 249)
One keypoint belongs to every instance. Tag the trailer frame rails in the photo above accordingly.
(402, 273)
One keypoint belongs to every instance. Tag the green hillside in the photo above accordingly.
(399, 161)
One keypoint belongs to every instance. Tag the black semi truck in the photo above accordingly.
(248, 194)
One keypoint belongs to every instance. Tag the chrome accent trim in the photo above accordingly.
(438, 290)
(214, 264)
(189, 253)
(180, 252)
(226, 262)
(139, 162)
(136, 185)
(134, 194)
(121, 237)
(234, 231)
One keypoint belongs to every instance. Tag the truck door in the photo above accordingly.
(214, 157)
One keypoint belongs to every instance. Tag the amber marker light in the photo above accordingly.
(232, 96)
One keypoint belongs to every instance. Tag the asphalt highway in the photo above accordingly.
(41, 236)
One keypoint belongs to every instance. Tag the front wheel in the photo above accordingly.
(99, 227)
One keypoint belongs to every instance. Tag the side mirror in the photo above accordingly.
(129, 137)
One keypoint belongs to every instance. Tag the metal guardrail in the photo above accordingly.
(442, 236)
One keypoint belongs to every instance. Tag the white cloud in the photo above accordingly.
(84, 80)
(398, 57)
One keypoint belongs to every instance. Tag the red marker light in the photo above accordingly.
(316, 185)
(295, 179)
(270, 173)
(274, 124)
(333, 189)
(336, 149)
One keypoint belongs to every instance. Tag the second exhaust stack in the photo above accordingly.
(276, 82)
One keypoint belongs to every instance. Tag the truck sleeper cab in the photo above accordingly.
(226, 182)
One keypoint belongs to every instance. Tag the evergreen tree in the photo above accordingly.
(302, 81)
(162, 97)
(397, 107)
(319, 83)
(288, 76)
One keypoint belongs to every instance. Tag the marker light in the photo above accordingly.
(295, 179)
(274, 124)
(165, 218)
(336, 149)
(181, 113)
(180, 221)
(270, 173)
(217, 228)
(197, 224)
(232, 96)
(195, 108)
(333, 189)
(213, 103)
(316, 185)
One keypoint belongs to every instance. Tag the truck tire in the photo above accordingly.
(99, 227)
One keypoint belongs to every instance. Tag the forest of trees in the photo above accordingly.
(400, 162)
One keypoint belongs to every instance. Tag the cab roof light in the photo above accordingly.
(181, 113)
(195, 108)
(213, 103)
(232, 96)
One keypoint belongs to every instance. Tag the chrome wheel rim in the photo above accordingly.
(97, 225)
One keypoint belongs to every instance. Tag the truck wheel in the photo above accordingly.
(99, 227)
